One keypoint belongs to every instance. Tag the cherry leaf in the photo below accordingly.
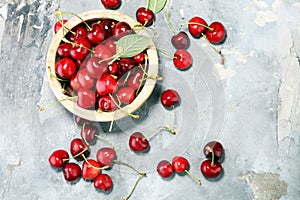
(131, 45)
(156, 5)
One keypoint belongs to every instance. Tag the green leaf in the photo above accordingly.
(131, 45)
(156, 5)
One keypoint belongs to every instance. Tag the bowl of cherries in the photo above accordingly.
(101, 65)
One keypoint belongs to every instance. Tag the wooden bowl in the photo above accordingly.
(93, 115)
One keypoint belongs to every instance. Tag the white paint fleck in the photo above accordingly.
(181, 11)
(21, 20)
(263, 17)
(224, 73)
(276, 4)
(296, 5)
(3, 16)
(260, 4)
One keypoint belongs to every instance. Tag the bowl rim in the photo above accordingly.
(71, 104)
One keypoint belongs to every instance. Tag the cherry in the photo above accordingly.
(71, 171)
(79, 32)
(210, 170)
(180, 164)
(181, 40)
(126, 95)
(65, 68)
(111, 45)
(107, 103)
(135, 79)
(74, 84)
(182, 59)
(197, 26)
(138, 143)
(86, 98)
(169, 98)
(102, 52)
(90, 169)
(78, 148)
(103, 182)
(113, 68)
(88, 133)
(165, 169)
(139, 58)
(216, 33)
(121, 29)
(97, 34)
(81, 121)
(58, 158)
(58, 25)
(144, 16)
(96, 68)
(108, 25)
(63, 50)
(126, 64)
(106, 156)
(111, 4)
(106, 85)
(81, 49)
(214, 146)
(84, 79)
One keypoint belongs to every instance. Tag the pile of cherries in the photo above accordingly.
(85, 63)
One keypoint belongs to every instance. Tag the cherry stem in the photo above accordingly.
(168, 128)
(106, 140)
(75, 44)
(52, 75)
(193, 177)
(130, 166)
(165, 53)
(135, 185)
(196, 23)
(59, 17)
(111, 123)
(42, 108)
(214, 48)
(169, 22)
(74, 14)
(212, 155)
(129, 114)
(80, 153)
(98, 168)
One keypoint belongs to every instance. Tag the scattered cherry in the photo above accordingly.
(169, 98)
(103, 182)
(90, 169)
(88, 133)
(197, 26)
(144, 16)
(106, 156)
(78, 148)
(165, 169)
(182, 59)
(216, 33)
(214, 146)
(181, 40)
(210, 170)
(138, 142)
(111, 4)
(71, 172)
(58, 158)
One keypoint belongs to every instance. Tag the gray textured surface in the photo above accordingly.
(260, 130)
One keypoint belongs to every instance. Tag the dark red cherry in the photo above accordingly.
(197, 26)
(111, 4)
(103, 182)
(108, 25)
(135, 79)
(214, 146)
(169, 98)
(97, 34)
(210, 170)
(81, 49)
(58, 158)
(182, 59)
(72, 172)
(63, 50)
(86, 98)
(180, 164)
(106, 156)
(113, 68)
(90, 169)
(216, 33)
(181, 40)
(103, 52)
(58, 25)
(139, 58)
(121, 29)
(106, 85)
(107, 103)
(138, 143)
(96, 68)
(84, 79)
(88, 133)
(111, 45)
(126, 64)
(79, 32)
(144, 16)
(66, 68)
(81, 121)
(78, 148)
(126, 95)
(165, 169)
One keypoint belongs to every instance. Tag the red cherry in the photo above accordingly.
(107, 103)
(97, 34)
(88, 133)
(106, 156)
(81, 49)
(58, 158)
(106, 85)
(139, 58)
(113, 68)
(111, 4)
(58, 25)
(180, 164)
(84, 79)
(86, 98)
(216, 33)
(121, 29)
(79, 32)
(103, 52)
(103, 182)
(214, 146)
(71, 171)
(169, 98)
(126, 64)
(96, 68)
(165, 169)
(195, 29)
(108, 25)
(74, 84)
(211, 171)
(66, 68)
(111, 45)
(81, 121)
(181, 40)
(126, 95)
(63, 50)
(182, 59)
(78, 147)
(144, 16)
(90, 169)
(135, 78)
(138, 143)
